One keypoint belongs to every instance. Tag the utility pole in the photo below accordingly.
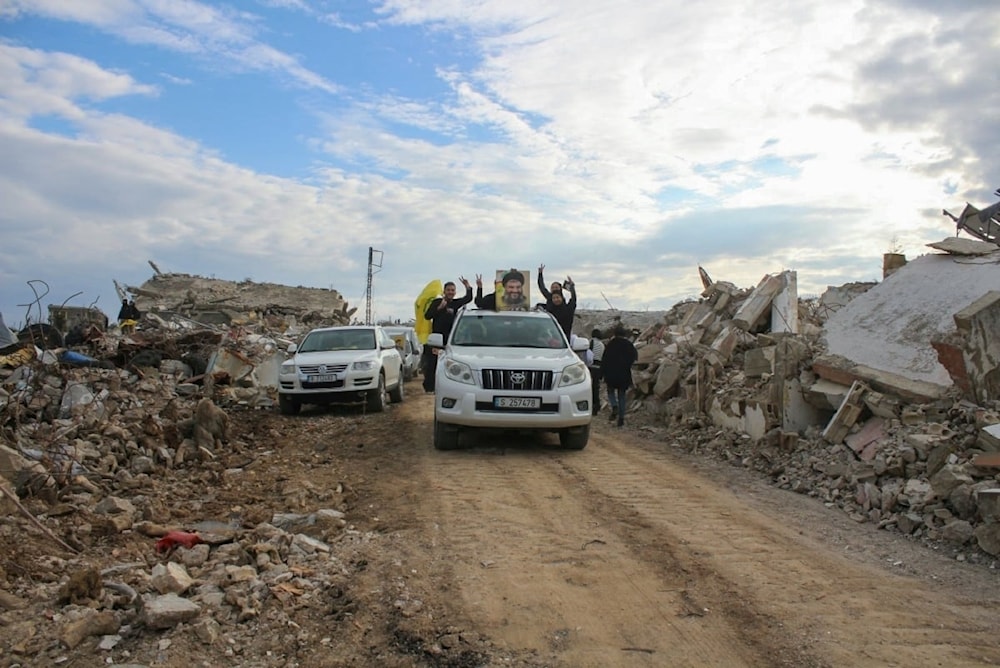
(368, 291)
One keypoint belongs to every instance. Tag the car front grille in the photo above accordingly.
(508, 379)
(315, 369)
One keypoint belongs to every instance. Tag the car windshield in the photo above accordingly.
(338, 339)
(474, 330)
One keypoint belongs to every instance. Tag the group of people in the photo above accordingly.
(611, 362)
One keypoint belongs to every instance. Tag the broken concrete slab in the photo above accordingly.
(758, 303)
(785, 305)
(840, 370)
(889, 328)
(847, 414)
(962, 246)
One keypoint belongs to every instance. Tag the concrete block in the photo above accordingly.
(758, 303)
(758, 361)
(846, 415)
(785, 305)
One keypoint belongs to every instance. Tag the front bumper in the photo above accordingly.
(465, 405)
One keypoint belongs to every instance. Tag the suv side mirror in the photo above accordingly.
(435, 340)
(292, 348)
(580, 344)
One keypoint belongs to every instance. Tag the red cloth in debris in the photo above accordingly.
(174, 538)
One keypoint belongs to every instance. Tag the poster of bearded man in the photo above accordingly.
(513, 289)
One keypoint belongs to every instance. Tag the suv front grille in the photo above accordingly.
(314, 369)
(507, 379)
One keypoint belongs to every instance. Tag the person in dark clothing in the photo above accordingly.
(616, 365)
(441, 312)
(125, 312)
(556, 303)
(133, 310)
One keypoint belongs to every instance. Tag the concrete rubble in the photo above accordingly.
(744, 375)
(905, 439)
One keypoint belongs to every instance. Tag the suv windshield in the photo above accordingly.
(338, 339)
(516, 332)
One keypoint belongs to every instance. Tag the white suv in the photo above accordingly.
(512, 369)
(355, 364)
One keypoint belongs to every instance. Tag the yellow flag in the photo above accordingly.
(430, 292)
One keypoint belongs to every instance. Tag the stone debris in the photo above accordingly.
(738, 375)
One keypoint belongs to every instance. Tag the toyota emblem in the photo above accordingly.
(517, 378)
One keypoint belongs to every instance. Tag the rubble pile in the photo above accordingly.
(743, 376)
(211, 300)
(89, 432)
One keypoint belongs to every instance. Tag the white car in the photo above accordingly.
(510, 369)
(351, 364)
(409, 347)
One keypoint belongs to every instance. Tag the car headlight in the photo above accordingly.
(364, 365)
(287, 369)
(573, 374)
(459, 372)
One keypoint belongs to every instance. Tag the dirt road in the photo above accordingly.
(625, 554)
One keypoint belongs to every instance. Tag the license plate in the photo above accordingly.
(324, 378)
(517, 402)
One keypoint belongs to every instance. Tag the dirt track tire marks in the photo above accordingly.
(622, 555)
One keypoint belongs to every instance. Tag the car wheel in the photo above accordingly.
(445, 436)
(376, 398)
(396, 393)
(575, 438)
(288, 405)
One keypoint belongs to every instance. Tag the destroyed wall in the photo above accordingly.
(890, 327)
(219, 301)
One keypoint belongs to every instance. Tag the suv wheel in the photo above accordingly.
(396, 393)
(288, 405)
(445, 436)
(376, 398)
(575, 438)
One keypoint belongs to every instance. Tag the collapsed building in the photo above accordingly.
(881, 399)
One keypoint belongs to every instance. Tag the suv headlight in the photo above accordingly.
(364, 365)
(459, 372)
(573, 374)
(287, 369)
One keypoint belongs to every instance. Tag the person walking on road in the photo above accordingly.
(619, 356)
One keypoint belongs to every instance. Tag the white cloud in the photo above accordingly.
(622, 143)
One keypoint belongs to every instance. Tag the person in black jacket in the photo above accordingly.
(619, 356)
(555, 301)
(441, 312)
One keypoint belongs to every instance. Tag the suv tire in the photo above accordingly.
(288, 405)
(396, 393)
(445, 436)
(575, 438)
(376, 398)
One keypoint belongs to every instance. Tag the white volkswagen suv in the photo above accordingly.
(353, 364)
(510, 369)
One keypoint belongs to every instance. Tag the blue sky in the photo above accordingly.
(624, 144)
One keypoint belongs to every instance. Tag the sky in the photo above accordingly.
(623, 144)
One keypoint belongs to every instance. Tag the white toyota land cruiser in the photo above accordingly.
(510, 369)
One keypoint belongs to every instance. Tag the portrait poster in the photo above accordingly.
(513, 289)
